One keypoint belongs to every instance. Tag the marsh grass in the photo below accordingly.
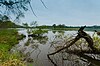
(39, 31)
(8, 38)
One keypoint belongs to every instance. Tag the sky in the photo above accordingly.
(68, 12)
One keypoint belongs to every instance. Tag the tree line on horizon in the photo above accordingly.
(9, 24)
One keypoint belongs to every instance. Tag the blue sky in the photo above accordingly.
(68, 12)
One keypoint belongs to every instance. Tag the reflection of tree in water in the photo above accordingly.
(72, 53)
(33, 50)
(71, 57)
(39, 36)
(54, 31)
(60, 31)
(58, 39)
(66, 59)
(41, 39)
(62, 58)
(32, 47)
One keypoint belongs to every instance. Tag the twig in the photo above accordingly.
(32, 9)
(43, 4)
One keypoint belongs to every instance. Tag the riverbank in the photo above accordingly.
(9, 38)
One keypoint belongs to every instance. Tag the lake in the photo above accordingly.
(36, 49)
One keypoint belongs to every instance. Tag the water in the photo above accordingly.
(38, 48)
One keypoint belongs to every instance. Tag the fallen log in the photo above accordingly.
(81, 34)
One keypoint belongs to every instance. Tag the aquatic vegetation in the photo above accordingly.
(39, 31)
(38, 35)
(96, 40)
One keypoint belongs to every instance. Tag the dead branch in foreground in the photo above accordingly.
(81, 34)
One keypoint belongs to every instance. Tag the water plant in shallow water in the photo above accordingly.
(39, 31)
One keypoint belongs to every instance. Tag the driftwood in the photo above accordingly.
(81, 34)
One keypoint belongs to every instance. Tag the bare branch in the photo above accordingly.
(32, 9)
(43, 3)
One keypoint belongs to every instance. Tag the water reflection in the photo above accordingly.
(54, 31)
(41, 39)
(37, 48)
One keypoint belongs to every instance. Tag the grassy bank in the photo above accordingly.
(8, 38)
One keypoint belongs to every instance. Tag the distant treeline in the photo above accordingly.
(92, 28)
(10, 24)
(64, 27)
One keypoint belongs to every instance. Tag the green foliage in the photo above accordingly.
(4, 18)
(25, 24)
(15, 7)
(33, 24)
(40, 31)
(39, 36)
(96, 40)
(19, 37)
(58, 27)
(54, 25)
(8, 38)
(8, 24)
(8, 59)
(30, 64)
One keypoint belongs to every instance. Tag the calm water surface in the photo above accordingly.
(38, 48)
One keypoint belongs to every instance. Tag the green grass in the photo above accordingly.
(40, 31)
(8, 38)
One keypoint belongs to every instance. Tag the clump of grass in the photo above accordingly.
(19, 37)
(13, 59)
(40, 31)
(96, 40)
(13, 62)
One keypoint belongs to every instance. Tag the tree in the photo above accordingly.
(25, 24)
(61, 25)
(54, 25)
(33, 24)
(5, 18)
(15, 7)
